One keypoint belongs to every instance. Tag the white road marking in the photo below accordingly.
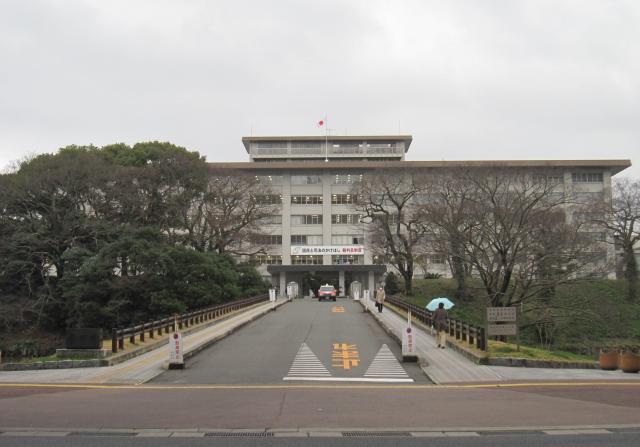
(385, 365)
(349, 379)
(307, 364)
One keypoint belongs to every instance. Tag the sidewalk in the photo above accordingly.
(145, 367)
(448, 366)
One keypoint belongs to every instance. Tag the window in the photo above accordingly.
(306, 180)
(554, 179)
(306, 219)
(306, 239)
(343, 199)
(345, 219)
(312, 259)
(347, 239)
(270, 148)
(342, 149)
(594, 236)
(347, 259)
(267, 259)
(307, 200)
(269, 199)
(587, 217)
(305, 148)
(271, 220)
(269, 179)
(347, 179)
(588, 197)
(586, 177)
(269, 239)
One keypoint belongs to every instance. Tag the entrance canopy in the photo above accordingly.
(302, 268)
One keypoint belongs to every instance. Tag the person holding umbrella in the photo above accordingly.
(440, 318)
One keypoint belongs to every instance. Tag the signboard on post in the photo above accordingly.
(502, 329)
(365, 297)
(502, 321)
(501, 314)
(409, 342)
(272, 298)
(176, 354)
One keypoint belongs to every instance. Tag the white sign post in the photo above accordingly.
(272, 298)
(366, 300)
(176, 354)
(409, 342)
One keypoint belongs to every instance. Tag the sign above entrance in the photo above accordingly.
(297, 250)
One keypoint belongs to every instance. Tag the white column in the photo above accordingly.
(283, 284)
(342, 291)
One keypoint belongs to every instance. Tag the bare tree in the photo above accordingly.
(511, 227)
(622, 218)
(386, 202)
(227, 217)
(446, 218)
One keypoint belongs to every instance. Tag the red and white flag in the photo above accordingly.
(320, 123)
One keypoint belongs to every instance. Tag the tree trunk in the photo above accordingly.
(459, 273)
(407, 274)
(631, 274)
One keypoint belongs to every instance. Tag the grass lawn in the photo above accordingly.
(500, 349)
(590, 314)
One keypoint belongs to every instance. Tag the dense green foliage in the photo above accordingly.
(580, 318)
(94, 237)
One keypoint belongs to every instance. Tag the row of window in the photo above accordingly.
(338, 179)
(352, 259)
(308, 260)
(586, 177)
(349, 179)
(316, 219)
(311, 239)
(307, 199)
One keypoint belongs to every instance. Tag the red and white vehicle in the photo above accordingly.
(327, 292)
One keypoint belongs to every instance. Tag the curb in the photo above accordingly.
(325, 432)
(95, 363)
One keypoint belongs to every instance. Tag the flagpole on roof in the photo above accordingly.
(326, 139)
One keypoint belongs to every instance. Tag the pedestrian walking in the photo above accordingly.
(440, 318)
(380, 296)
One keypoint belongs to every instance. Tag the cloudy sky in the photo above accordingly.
(468, 79)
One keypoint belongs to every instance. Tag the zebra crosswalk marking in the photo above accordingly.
(307, 364)
(386, 365)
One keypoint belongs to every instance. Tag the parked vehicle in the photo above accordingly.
(327, 292)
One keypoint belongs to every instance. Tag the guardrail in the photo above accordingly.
(153, 328)
(461, 330)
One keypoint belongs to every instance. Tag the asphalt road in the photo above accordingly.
(305, 340)
(620, 439)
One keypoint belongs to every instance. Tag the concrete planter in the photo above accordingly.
(629, 361)
(608, 360)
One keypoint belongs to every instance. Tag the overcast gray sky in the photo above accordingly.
(468, 79)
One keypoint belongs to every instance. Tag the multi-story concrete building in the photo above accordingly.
(320, 232)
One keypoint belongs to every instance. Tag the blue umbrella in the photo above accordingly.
(434, 303)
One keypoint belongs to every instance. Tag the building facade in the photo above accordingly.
(320, 233)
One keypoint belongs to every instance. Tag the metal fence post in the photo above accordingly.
(114, 340)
